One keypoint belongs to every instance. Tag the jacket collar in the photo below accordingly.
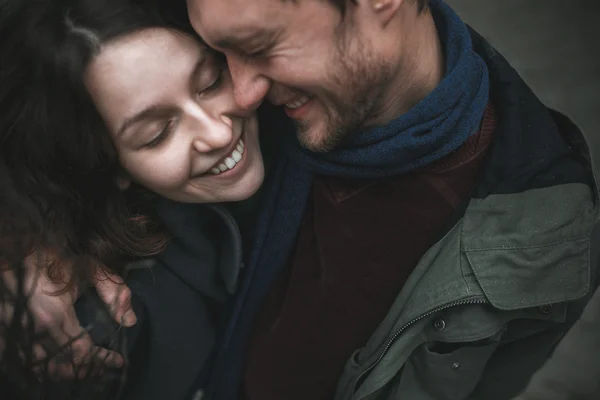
(206, 247)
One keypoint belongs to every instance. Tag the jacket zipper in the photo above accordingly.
(476, 300)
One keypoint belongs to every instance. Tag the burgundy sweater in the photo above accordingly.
(358, 242)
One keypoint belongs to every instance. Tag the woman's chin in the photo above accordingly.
(246, 189)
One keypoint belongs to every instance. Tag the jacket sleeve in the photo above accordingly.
(573, 371)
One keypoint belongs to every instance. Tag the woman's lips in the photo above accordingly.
(231, 160)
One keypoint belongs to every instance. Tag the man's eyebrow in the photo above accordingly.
(230, 41)
(156, 110)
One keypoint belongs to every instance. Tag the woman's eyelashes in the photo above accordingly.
(218, 67)
(169, 126)
(216, 83)
(162, 135)
(216, 71)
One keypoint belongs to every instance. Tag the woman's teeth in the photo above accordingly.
(298, 103)
(231, 160)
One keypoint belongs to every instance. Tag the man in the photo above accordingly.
(426, 231)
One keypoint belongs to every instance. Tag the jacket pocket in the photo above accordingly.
(445, 371)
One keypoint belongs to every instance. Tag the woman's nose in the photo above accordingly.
(215, 135)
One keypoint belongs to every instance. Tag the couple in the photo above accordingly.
(423, 230)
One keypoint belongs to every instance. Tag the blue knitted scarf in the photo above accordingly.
(435, 127)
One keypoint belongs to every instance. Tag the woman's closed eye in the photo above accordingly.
(214, 85)
(211, 77)
(162, 135)
(209, 81)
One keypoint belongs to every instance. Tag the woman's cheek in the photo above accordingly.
(159, 171)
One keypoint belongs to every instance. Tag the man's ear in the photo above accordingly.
(385, 10)
(123, 181)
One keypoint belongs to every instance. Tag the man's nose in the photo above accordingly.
(249, 86)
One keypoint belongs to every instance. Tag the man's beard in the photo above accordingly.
(349, 113)
(340, 123)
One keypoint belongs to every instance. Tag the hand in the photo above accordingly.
(52, 311)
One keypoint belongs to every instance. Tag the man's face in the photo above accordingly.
(304, 55)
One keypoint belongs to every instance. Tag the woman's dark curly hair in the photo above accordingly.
(58, 166)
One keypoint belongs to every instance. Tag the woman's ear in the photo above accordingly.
(123, 181)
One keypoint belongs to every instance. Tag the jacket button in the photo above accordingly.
(439, 325)
(547, 309)
(455, 366)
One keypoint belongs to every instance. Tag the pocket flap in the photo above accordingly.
(532, 277)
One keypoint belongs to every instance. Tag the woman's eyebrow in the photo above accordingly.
(151, 112)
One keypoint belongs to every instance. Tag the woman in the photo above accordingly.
(114, 117)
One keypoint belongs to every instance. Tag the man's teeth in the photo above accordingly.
(298, 103)
(230, 161)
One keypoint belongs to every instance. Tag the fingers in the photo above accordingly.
(69, 363)
(73, 364)
(113, 291)
(80, 350)
(78, 356)
(50, 332)
(64, 351)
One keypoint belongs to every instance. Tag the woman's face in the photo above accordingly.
(168, 104)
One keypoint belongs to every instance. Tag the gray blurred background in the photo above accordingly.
(555, 47)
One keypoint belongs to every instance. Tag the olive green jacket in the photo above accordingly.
(573, 371)
(487, 305)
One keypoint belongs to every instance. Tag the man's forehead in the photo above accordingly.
(229, 23)
(233, 12)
